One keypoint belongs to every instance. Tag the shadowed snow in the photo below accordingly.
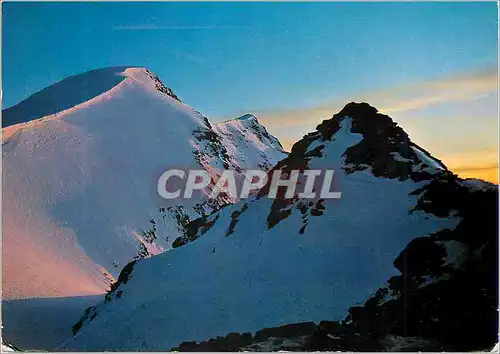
(42, 323)
(64, 94)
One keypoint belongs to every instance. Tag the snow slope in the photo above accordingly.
(262, 263)
(6, 348)
(42, 323)
(244, 131)
(79, 185)
(67, 93)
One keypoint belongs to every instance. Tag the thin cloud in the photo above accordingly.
(450, 89)
(460, 169)
(402, 98)
(171, 27)
(413, 100)
(486, 172)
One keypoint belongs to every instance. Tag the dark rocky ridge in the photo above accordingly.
(382, 140)
(161, 87)
(452, 301)
(444, 298)
(432, 305)
(11, 346)
(91, 312)
(386, 150)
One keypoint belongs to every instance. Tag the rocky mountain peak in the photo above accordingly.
(352, 247)
(160, 86)
(386, 149)
(248, 116)
(250, 124)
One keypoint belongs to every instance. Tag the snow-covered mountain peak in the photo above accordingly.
(384, 147)
(253, 130)
(246, 120)
(79, 90)
(403, 218)
(84, 162)
(247, 116)
(149, 79)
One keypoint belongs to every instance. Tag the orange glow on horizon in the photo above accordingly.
(487, 171)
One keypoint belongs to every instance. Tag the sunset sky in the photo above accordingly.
(431, 66)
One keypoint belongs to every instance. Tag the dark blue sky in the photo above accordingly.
(228, 58)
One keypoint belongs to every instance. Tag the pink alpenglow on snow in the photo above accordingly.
(92, 207)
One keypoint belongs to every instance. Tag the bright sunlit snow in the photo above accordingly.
(79, 186)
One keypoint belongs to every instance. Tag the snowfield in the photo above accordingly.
(79, 184)
(91, 250)
(257, 277)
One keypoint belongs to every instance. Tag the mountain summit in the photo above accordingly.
(104, 155)
(381, 265)
(247, 116)
(69, 93)
(81, 161)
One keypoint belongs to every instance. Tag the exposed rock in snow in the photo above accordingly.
(7, 347)
(254, 265)
(475, 185)
(81, 161)
(409, 344)
(104, 155)
(383, 264)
